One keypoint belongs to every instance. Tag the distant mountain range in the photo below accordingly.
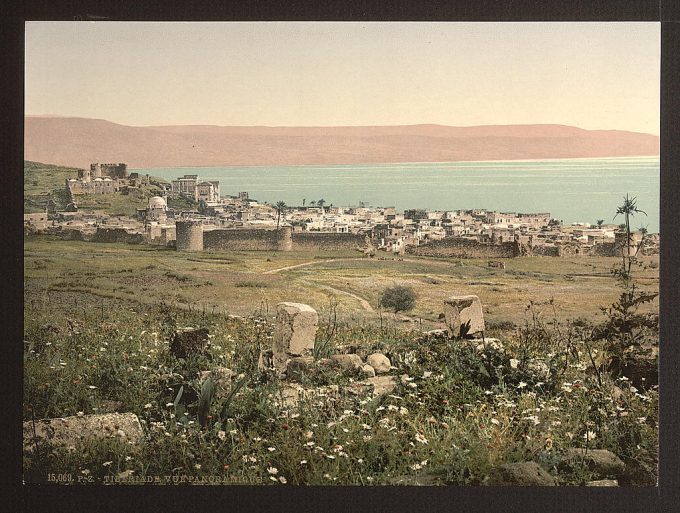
(79, 141)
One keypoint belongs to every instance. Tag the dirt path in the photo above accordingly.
(364, 304)
(312, 262)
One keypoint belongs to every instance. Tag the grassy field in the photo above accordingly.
(98, 318)
(246, 282)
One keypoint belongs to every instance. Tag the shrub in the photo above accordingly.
(398, 298)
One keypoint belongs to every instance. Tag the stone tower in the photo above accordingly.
(285, 238)
(189, 235)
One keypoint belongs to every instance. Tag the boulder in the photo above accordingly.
(295, 332)
(368, 371)
(602, 462)
(462, 310)
(526, 473)
(68, 431)
(188, 341)
(382, 384)
(348, 362)
(379, 362)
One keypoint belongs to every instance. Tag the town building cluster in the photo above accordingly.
(104, 179)
(386, 228)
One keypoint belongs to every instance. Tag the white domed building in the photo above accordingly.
(157, 209)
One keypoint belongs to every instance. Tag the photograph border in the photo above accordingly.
(378, 498)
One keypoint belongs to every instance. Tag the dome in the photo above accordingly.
(98, 180)
(157, 202)
(107, 179)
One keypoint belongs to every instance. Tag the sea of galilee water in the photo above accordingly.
(572, 190)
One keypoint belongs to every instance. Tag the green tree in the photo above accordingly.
(399, 298)
(280, 209)
(628, 208)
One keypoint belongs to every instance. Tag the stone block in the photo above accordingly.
(602, 462)
(295, 332)
(603, 482)
(379, 362)
(368, 371)
(382, 384)
(525, 473)
(348, 362)
(68, 431)
(460, 310)
(188, 341)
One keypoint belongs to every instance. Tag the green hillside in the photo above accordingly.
(45, 182)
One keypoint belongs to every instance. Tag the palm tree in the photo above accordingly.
(304, 200)
(321, 203)
(600, 222)
(280, 209)
(628, 209)
(312, 203)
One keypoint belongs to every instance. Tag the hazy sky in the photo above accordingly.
(591, 75)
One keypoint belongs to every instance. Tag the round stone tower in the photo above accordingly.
(189, 235)
(285, 238)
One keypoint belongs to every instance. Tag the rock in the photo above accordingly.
(642, 470)
(526, 473)
(382, 384)
(460, 310)
(368, 371)
(221, 376)
(188, 341)
(348, 362)
(603, 482)
(299, 366)
(600, 461)
(68, 431)
(295, 332)
(379, 362)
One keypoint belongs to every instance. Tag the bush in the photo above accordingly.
(398, 298)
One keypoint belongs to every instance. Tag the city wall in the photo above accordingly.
(283, 240)
(459, 247)
(313, 241)
(240, 240)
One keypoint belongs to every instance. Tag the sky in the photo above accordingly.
(590, 75)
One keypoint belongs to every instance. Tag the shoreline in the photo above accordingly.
(378, 164)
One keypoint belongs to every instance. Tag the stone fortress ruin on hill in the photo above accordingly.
(240, 223)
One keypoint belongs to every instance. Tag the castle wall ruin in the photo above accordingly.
(189, 235)
(459, 247)
(283, 240)
(117, 235)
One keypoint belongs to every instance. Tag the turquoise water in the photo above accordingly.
(570, 189)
